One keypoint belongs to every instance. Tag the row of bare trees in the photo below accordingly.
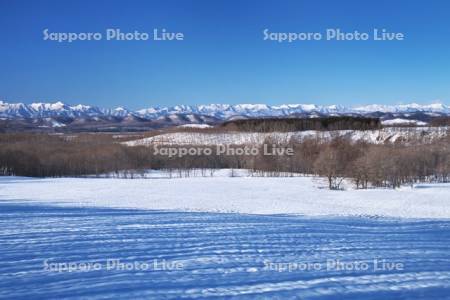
(302, 124)
(386, 165)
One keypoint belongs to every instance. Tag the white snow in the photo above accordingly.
(412, 107)
(195, 126)
(57, 124)
(249, 195)
(399, 121)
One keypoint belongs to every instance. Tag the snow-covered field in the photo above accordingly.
(391, 134)
(248, 195)
(181, 255)
(399, 121)
(221, 237)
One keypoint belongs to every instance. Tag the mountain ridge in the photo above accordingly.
(220, 111)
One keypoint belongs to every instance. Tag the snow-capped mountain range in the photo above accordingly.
(219, 111)
(59, 116)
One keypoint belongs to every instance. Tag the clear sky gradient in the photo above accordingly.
(223, 58)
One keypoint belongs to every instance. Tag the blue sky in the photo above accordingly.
(224, 58)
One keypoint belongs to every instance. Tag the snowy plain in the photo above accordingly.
(234, 237)
(222, 256)
(241, 194)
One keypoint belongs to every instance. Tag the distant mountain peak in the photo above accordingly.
(218, 111)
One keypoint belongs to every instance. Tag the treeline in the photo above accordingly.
(386, 165)
(440, 121)
(303, 124)
(43, 155)
(366, 165)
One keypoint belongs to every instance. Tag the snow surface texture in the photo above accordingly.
(222, 255)
(249, 195)
(392, 134)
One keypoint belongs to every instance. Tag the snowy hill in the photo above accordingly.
(381, 136)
